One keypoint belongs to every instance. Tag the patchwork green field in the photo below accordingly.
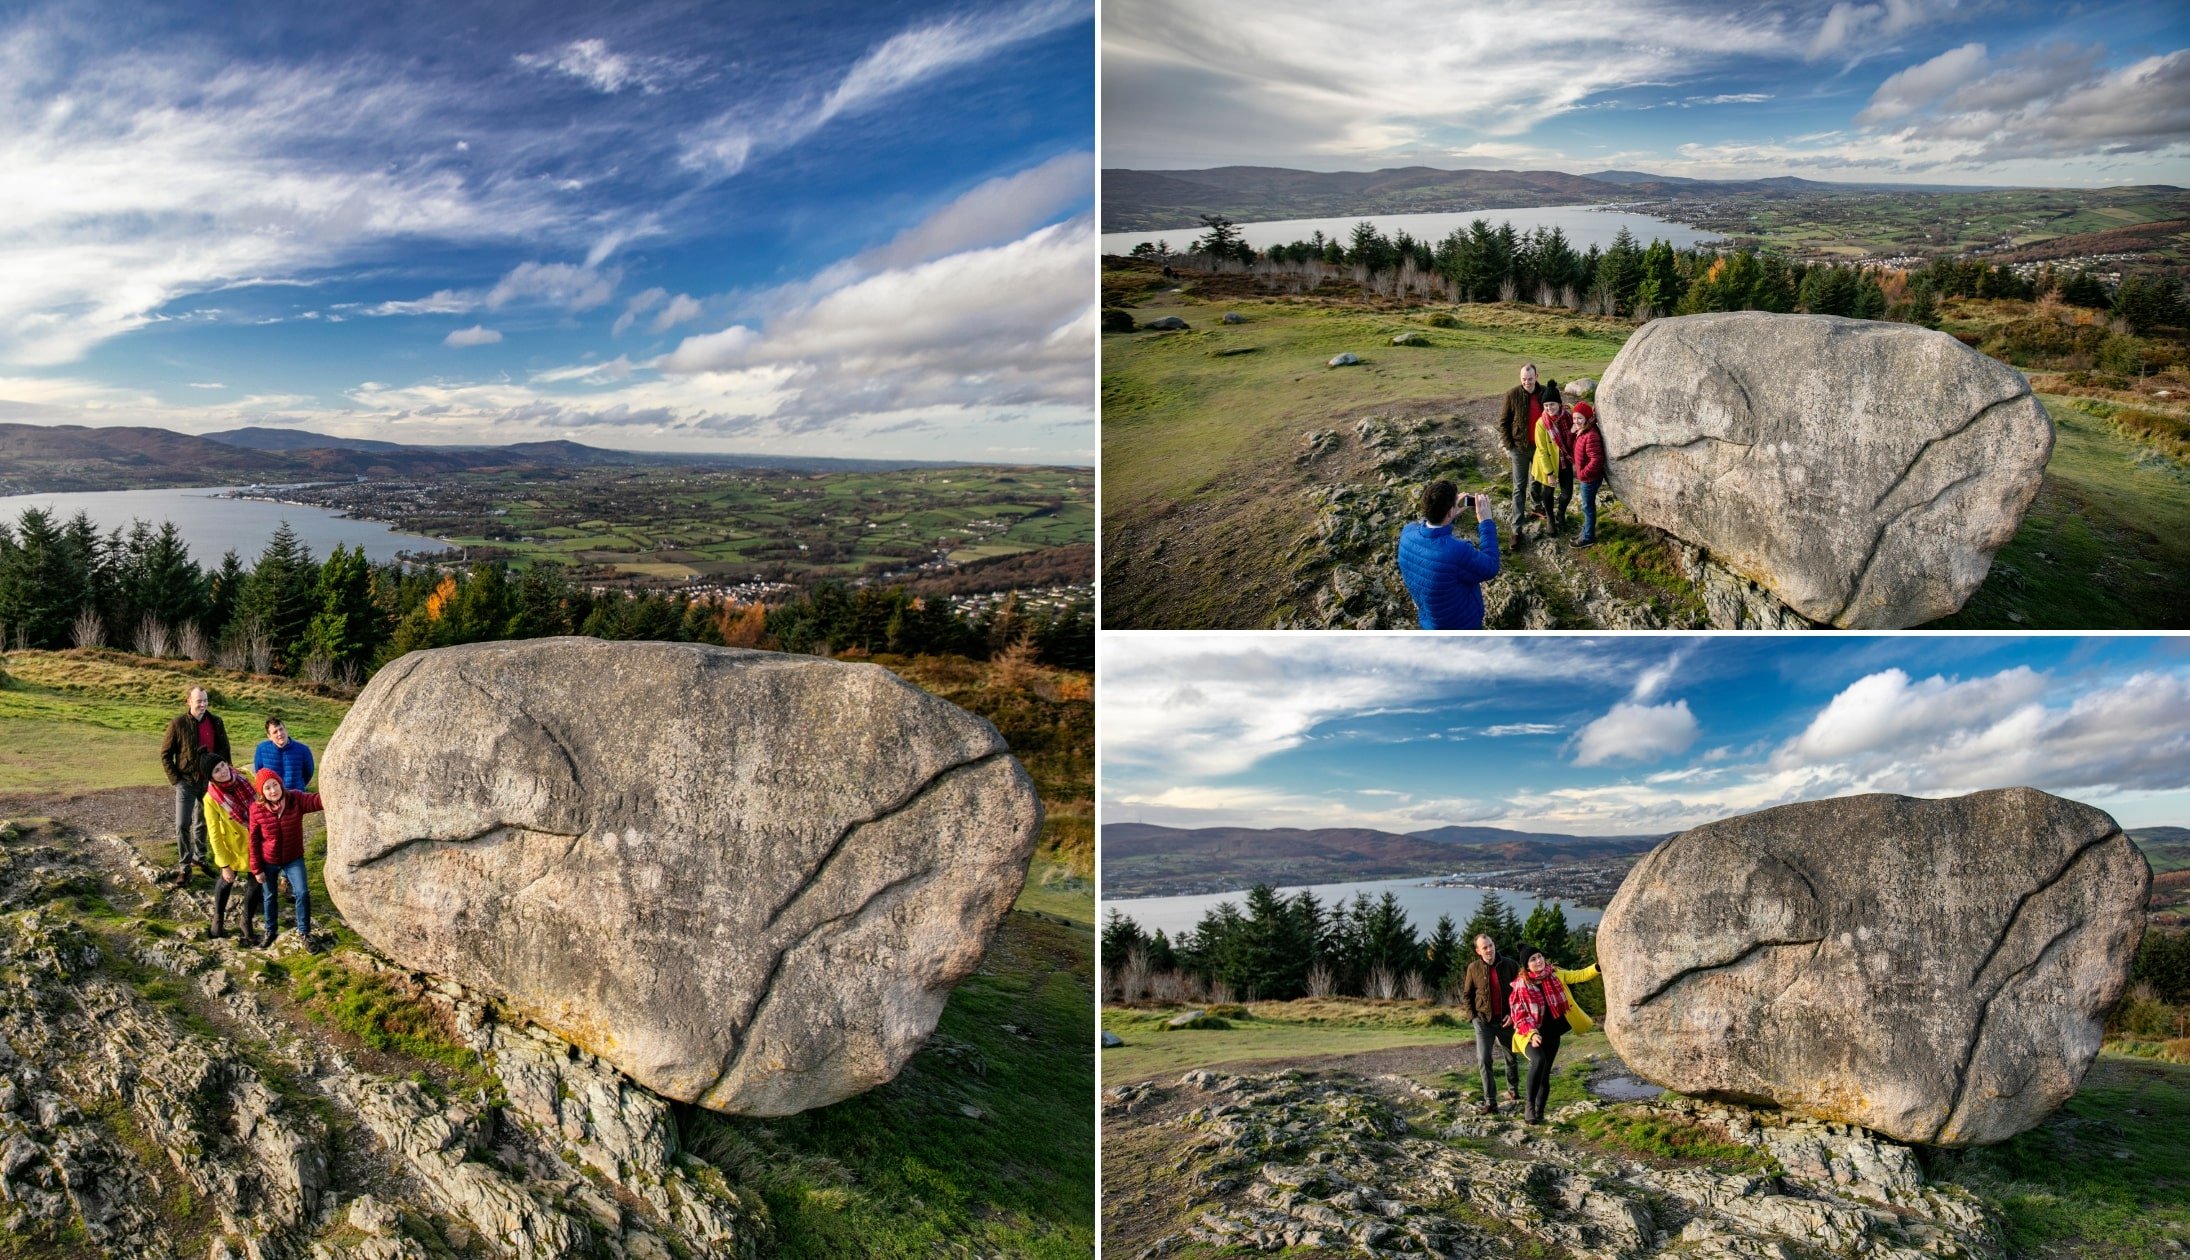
(738, 524)
(1855, 224)
(1205, 488)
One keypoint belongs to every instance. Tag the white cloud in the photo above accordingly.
(591, 62)
(207, 385)
(681, 309)
(1522, 728)
(1206, 705)
(1886, 712)
(723, 146)
(639, 304)
(566, 285)
(1922, 84)
(1636, 732)
(135, 178)
(476, 335)
(1850, 28)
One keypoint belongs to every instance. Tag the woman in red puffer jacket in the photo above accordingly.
(1589, 467)
(277, 849)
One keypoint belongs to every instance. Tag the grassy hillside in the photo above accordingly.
(1206, 481)
(985, 1140)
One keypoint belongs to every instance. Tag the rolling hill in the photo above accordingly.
(44, 458)
(1145, 860)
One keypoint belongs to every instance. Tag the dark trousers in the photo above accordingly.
(1542, 496)
(1521, 484)
(1566, 491)
(1491, 1039)
(1539, 1070)
(190, 845)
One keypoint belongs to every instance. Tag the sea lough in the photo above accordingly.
(212, 525)
(1178, 915)
(1584, 226)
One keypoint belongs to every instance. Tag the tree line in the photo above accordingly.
(1276, 948)
(1481, 263)
(66, 584)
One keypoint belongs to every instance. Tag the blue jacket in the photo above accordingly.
(1444, 573)
(294, 763)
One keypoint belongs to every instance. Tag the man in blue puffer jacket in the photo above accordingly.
(289, 758)
(1445, 573)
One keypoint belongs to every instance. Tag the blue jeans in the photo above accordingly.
(1589, 510)
(293, 872)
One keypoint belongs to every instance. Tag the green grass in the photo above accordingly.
(377, 1013)
(1211, 441)
(905, 1170)
(80, 721)
(1670, 1139)
(1272, 1030)
(1052, 888)
(2105, 545)
(2106, 1177)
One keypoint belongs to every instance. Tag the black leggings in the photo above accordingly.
(1539, 1069)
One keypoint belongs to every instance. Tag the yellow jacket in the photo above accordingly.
(1544, 468)
(1577, 1019)
(228, 839)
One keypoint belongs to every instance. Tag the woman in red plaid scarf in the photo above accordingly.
(1542, 1013)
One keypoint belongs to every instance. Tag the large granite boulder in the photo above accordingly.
(1936, 970)
(1864, 472)
(748, 880)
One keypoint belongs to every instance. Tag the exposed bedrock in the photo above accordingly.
(748, 880)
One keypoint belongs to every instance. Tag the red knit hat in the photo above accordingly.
(259, 781)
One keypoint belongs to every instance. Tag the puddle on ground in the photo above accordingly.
(1620, 1087)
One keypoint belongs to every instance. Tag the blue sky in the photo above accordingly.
(1926, 91)
(1631, 734)
(834, 228)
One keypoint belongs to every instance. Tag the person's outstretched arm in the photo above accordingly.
(1577, 977)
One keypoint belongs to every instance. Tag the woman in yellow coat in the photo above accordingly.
(1543, 1012)
(227, 825)
(1543, 470)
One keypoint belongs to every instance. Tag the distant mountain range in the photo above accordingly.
(1145, 860)
(1135, 201)
(38, 458)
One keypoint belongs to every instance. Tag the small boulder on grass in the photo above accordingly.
(1410, 338)
(1117, 321)
(1348, 359)
(1234, 317)
(1169, 323)
(1111, 1040)
(1197, 1019)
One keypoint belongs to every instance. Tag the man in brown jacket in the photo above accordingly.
(1490, 978)
(195, 731)
(1517, 425)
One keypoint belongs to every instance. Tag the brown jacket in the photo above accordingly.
(1484, 989)
(179, 750)
(1515, 423)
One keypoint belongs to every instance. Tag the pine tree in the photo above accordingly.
(1444, 957)
(1546, 931)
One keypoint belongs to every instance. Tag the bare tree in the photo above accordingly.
(231, 655)
(1416, 988)
(89, 629)
(1133, 977)
(259, 649)
(1322, 981)
(152, 636)
(1383, 984)
(318, 670)
(1508, 291)
(190, 642)
(1221, 992)
(349, 675)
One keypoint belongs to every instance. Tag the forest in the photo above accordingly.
(65, 584)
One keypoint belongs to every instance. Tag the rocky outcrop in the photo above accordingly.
(156, 1101)
(745, 879)
(1864, 472)
(1386, 1166)
(1935, 970)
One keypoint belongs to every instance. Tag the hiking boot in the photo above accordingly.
(267, 941)
(1585, 542)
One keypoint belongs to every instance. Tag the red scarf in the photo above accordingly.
(234, 799)
(1535, 1002)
